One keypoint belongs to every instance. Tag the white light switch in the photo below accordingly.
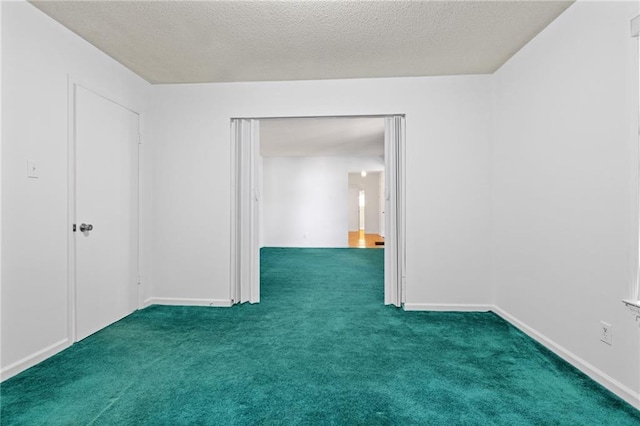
(32, 169)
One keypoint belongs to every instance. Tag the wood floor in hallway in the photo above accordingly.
(359, 239)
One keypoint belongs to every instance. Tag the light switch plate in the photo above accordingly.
(33, 171)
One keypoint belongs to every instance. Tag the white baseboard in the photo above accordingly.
(594, 373)
(218, 303)
(39, 356)
(446, 307)
(33, 359)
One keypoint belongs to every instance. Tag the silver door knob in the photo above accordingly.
(84, 227)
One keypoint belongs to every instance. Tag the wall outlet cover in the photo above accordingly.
(606, 333)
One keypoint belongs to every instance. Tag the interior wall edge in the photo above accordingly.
(33, 359)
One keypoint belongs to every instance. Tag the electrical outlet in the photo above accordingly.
(606, 333)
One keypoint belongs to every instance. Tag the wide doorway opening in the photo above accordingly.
(291, 189)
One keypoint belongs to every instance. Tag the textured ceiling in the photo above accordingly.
(322, 137)
(223, 41)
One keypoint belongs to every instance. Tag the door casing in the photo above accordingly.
(245, 222)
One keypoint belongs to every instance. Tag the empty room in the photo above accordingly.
(166, 258)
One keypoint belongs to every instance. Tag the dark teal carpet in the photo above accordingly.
(320, 349)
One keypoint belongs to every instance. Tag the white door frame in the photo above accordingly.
(245, 208)
(245, 211)
(394, 256)
(72, 85)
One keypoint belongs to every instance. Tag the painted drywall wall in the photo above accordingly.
(372, 200)
(304, 199)
(37, 55)
(564, 187)
(448, 123)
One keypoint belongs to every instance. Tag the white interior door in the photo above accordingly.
(245, 215)
(394, 259)
(246, 181)
(106, 197)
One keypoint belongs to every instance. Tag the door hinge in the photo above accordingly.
(139, 138)
(74, 227)
(139, 280)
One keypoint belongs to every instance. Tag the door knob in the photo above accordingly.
(86, 227)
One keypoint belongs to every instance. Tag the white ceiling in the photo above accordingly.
(322, 137)
(223, 41)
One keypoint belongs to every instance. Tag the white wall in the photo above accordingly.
(305, 199)
(564, 188)
(37, 55)
(372, 211)
(448, 174)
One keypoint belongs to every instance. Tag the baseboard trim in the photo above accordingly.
(170, 301)
(447, 307)
(594, 373)
(33, 359)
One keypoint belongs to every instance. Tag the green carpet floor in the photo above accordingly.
(320, 349)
